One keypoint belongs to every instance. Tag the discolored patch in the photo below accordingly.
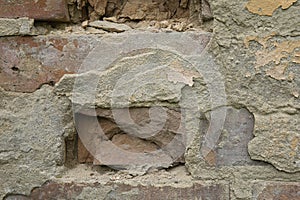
(267, 7)
(278, 54)
(50, 10)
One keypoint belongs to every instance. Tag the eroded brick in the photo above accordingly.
(28, 62)
(232, 146)
(55, 190)
(277, 191)
(50, 10)
(108, 142)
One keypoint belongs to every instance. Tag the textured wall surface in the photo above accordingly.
(181, 99)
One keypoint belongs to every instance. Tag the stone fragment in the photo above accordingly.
(92, 30)
(114, 7)
(111, 19)
(99, 6)
(179, 26)
(206, 11)
(21, 26)
(110, 26)
(184, 3)
(141, 10)
(48, 10)
(195, 12)
(277, 141)
(153, 10)
(57, 190)
(76, 9)
(85, 23)
(133, 61)
(277, 190)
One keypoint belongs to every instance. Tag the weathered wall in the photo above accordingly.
(148, 103)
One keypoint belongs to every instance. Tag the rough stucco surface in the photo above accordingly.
(241, 120)
(249, 82)
(274, 101)
(282, 52)
(31, 138)
(277, 144)
(21, 26)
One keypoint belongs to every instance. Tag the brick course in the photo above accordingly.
(47, 10)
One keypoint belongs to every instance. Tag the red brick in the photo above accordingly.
(28, 62)
(278, 191)
(83, 154)
(232, 146)
(111, 147)
(50, 10)
(53, 190)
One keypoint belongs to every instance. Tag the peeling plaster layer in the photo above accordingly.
(267, 7)
(280, 53)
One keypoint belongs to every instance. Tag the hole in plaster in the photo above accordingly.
(231, 148)
(101, 140)
(16, 69)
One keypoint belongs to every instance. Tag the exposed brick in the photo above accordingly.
(54, 190)
(126, 139)
(277, 191)
(50, 10)
(83, 155)
(28, 62)
(238, 131)
(232, 146)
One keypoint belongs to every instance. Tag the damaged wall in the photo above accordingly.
(141, 10)
(181, 99)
